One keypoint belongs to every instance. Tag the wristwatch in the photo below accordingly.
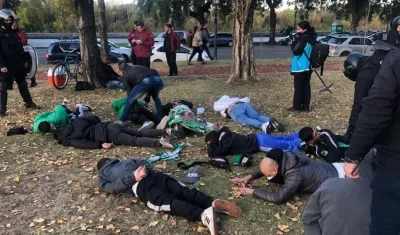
(348, 160)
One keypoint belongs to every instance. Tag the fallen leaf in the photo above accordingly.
(50, 230)
(83, 208)
(31, 224)
(40, 220)
(101, 219)
(134, 201)
(284, 228)
(202, 184)
(277, 216)
(84, 227)
(279, 233)
(100, 227)
(89, 169)
(8, 225)
(15, 212)
(117, 231)
(34, 179)
(154, 223)
(127, 209)
(173, 222)
(16, 179)
(294, 219)
(201, 229)
(135, 227)
(165, 217)
(295, 209)
(110, 227)
(60, 221)
(69, 182)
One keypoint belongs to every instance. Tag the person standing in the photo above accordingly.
(12, 65)
(196, 45)
(142, 41)
(205, 37)
(130, 38)
(301, 47)
(378, 125)
(171, 45)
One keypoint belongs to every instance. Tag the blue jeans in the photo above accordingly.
(115, 84)
(244, 114)
(151, 85)
(385, 206)
(286, 143)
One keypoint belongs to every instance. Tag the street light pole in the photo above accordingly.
(216, 3)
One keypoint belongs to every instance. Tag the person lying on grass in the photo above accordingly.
(161, 192)
(240, 111)
(323, 144)
(60, 117)
(295, 173)
(225, 142)
(90, 133)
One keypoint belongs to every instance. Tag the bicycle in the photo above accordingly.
(62, 71)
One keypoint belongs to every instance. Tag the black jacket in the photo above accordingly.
(225, 142)
(106, 73)
(117, 176)
(135, 74)
(11, 50)
(84, 133)
(364, 82)
(393, 38)
(296, 173)
(300, 42)
(326, 147)
(379, 123)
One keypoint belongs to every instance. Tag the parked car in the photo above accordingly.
(181, 33)
(32, 61)
(182, 54)
(124, 51)
(343, 45)
(223, 39)
(55, 54)
(378, 36)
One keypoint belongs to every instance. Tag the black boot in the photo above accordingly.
(26, 96)
(33, 82)
(3, 99)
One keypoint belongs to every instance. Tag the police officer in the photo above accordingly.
(362, 69)
(394, 33)
(12, 62)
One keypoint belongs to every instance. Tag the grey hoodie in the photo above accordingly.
(341, 206)
(117, 176)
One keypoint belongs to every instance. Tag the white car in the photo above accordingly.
(124, 51)
(181, 34)
(32, 61)
(182, 54)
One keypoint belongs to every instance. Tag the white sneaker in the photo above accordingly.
(209, 219)
(146, 125)
(266, 128)
(163, 123)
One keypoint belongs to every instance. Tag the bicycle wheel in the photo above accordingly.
(60, 76)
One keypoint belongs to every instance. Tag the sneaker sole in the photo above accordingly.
(214, 224)
(163, 123)
(147, 126)
(227, 207)
(278, 126)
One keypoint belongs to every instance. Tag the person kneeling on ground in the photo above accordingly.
(294, 171)
(225, 142)
(107, 76)
(240, 111)
(323, 144)
(342, 206)
(161, 192)
(60, 117)
(91, 133)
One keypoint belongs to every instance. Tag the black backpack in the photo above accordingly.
(318, 56)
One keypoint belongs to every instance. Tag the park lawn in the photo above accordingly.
(47, 188)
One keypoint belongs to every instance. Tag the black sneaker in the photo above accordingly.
(277, 125)
(32, 106)
(33, 84)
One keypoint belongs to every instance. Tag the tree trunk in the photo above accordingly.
(88, 42)
(357, 10)
(103, 28)
(355, 20)
(2, 4)
(272, 24)
(199, 11)
(244, 67)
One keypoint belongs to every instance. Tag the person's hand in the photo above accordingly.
(246, 191)
(4, 70)
(139, 42)
(107, 145)
(140, 173)
(133, 41)
(351, 170)
(245, 180)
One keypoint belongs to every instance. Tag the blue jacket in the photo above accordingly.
(117, 176)
(301, 48)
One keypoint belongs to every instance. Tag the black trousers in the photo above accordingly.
(6, 79)
(171, 60)
(140, 115)
(205, 48)
(302, 91)
(120, 135)
(161, 192)
(145, 61)
(196, 50)
(133, 57)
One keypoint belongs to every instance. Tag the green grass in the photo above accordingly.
(55, 182)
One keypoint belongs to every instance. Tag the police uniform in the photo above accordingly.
(12, 58)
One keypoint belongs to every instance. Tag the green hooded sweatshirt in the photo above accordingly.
(118, 105)
(58, 118)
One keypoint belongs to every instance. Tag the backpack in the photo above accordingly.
(318, 55)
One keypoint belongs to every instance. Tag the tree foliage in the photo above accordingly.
(10, 4)
(389, 11)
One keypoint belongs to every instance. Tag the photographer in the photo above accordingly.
(301, 47)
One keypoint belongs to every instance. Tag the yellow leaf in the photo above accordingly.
(135, 227)
(134, 201)
(100, 227)
(127, 209)
(154, 223)
(40, 220)
(69, 182)
(88, 169)
(34, 179)
(101, 219)
(277, 216)
(202, 184)
(117, 231)
(110, 226)
(50, 230)
(16, 179)
(201, 229)
(60, 221)
(294, 219)
(83, 208)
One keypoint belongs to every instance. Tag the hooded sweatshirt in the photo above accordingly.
(59, 118)
(301, 48)
(341, 206)
(118, 105)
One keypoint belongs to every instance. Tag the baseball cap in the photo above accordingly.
(192, 175)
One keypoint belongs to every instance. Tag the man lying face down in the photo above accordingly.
(294, 171)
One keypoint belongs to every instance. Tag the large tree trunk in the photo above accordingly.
(272, 25)
(244, 67)
(357, 10)
(88, 42)
(103, 28)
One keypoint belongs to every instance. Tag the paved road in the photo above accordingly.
(224, 53)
